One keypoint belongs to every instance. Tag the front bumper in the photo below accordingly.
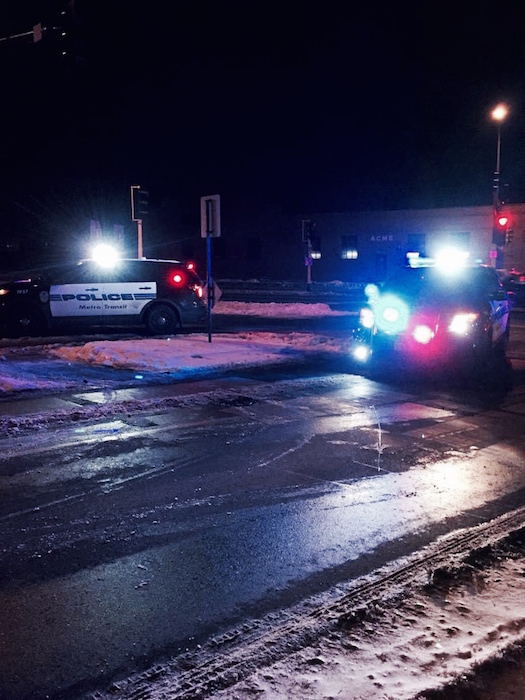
(372, 348)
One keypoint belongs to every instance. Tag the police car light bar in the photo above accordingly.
(105, 255)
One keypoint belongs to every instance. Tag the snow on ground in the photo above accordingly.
(413, 645)
(450, 628)
(183, 355)
(191, 354)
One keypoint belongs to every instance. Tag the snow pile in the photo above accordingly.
(275, 309)
(182, 355)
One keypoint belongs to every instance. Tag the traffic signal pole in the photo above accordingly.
(140, 250)
(139, 207)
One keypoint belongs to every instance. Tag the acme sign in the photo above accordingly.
(385, 238)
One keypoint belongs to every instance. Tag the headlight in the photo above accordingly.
(361, 353)
(423, 334)
(366, 318)
(3, 292)
(391, 314)
(462, 324)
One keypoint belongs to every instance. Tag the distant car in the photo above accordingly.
(514, 284)
(426, 317)
(162, 295)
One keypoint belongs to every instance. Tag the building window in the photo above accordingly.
(349, 248)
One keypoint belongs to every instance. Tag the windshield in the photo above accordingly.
(430, 286)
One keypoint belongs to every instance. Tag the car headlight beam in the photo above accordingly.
(462, 323)
(423, 334)
(361, 353)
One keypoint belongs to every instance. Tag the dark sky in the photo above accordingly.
(272, 105)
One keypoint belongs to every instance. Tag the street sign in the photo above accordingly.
(211, 216)
(216, 293)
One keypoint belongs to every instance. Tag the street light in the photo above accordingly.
(499, 114)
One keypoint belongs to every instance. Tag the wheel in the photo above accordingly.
(162, 320)
(26, 321)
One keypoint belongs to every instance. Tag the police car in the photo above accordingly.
(434, 316)
(162, 295)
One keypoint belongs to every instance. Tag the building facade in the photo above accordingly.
(363, 246)
(347, 246)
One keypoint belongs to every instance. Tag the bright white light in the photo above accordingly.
(372, 291)
(451, 260)
(500, 112)
(361, 353)
(423, 334)
(391, 314)
(462, 324)
(105, 255)
(366, 318)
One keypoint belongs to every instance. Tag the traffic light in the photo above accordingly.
(500, 228)
(139, 202)
(143, 202)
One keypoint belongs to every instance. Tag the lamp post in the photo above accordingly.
(499, 114)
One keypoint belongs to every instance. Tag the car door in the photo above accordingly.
(128, 288)
(76, 293)
(499, 304)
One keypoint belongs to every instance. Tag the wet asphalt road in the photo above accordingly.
(127, 540)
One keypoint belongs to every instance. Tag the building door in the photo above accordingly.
(381, 267)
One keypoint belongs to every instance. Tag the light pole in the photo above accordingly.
(498, 114)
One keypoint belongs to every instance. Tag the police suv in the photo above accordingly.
(436, 316)
(162, 295)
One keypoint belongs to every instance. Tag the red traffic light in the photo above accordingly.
(502, 220)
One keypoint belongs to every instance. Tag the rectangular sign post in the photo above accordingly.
(210, 228)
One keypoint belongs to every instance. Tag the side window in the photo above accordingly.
(76, 274)
(126, 271)
(487, 281)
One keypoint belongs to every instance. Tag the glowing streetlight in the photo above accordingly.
(498, 114)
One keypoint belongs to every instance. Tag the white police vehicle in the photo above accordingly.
(435, 316)
(162, 295)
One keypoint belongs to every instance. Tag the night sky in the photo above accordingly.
(276, 107)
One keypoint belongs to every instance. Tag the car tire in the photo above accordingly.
(26, 321)
(162, 320)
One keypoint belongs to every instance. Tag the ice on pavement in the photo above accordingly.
(422, 642)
